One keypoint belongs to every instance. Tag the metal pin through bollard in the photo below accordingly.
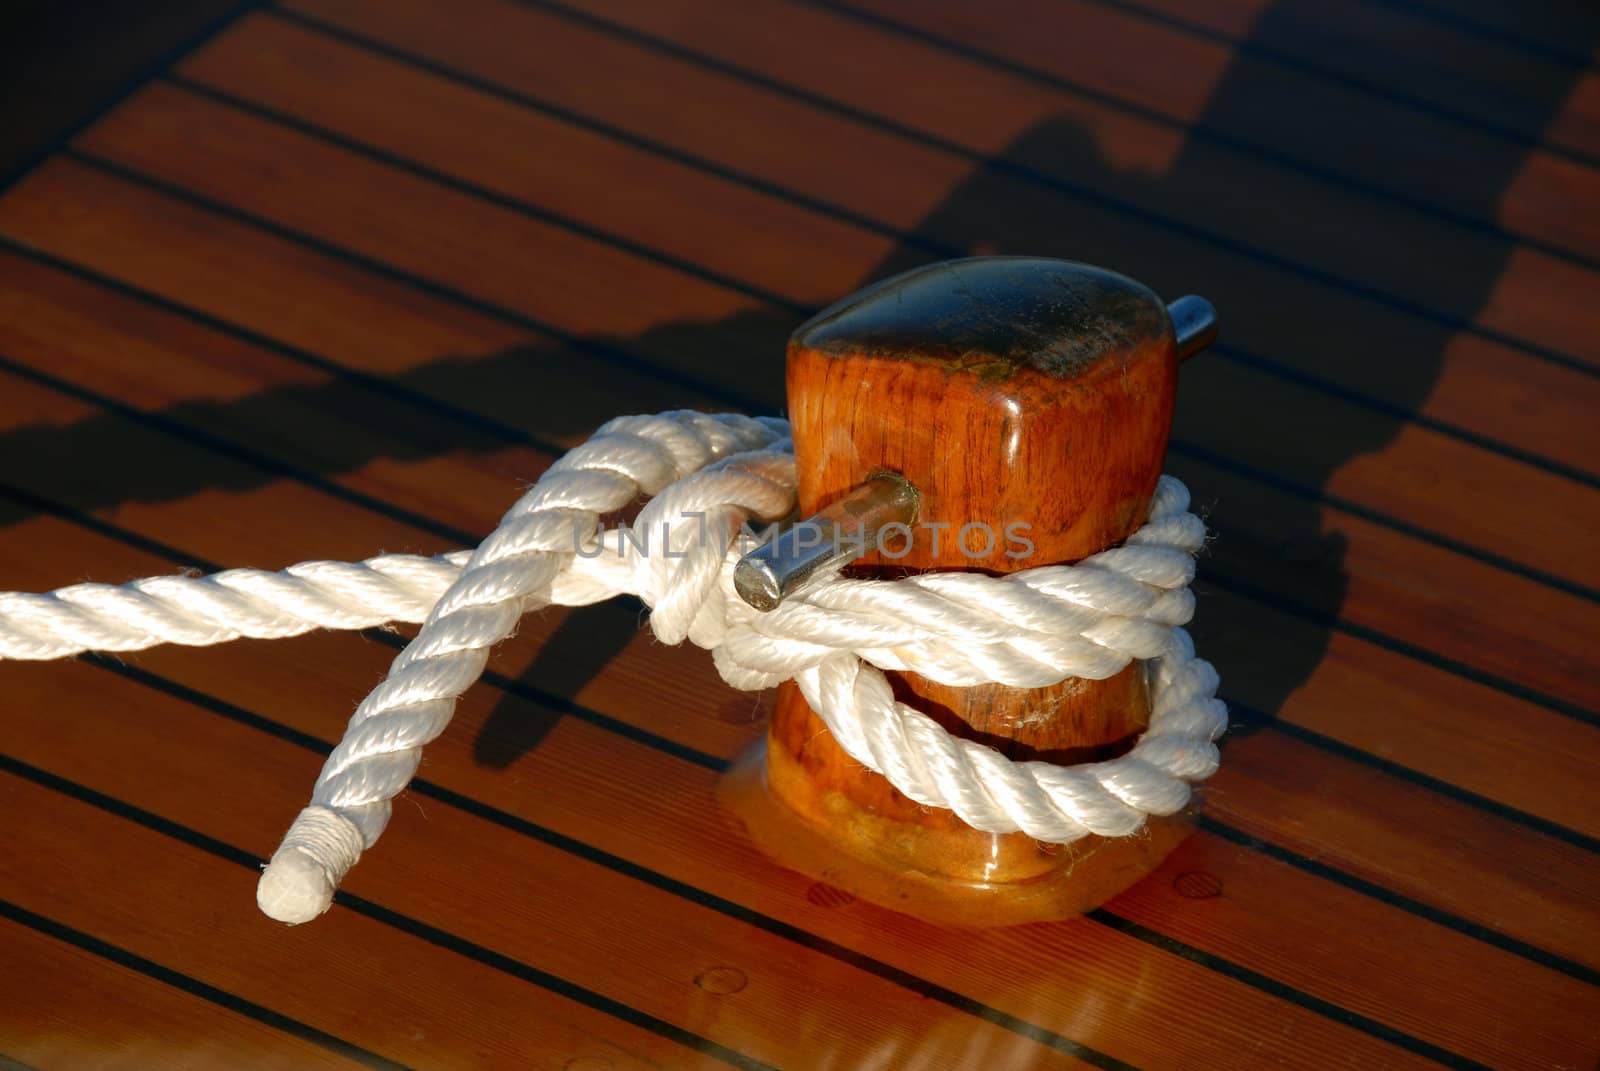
(846, 529)
(1194, 323)
(853, 525)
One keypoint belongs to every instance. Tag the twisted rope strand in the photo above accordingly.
(239, 603)
(708, 477)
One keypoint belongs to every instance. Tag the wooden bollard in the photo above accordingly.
(1029, 403)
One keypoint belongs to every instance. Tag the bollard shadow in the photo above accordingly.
(1258, 436)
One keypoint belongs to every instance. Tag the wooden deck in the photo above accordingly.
(347, 273)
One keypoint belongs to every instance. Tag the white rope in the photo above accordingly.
(709, 476)
(201, 610)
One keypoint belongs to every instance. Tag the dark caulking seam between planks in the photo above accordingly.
(1142, 9)
(514, 205)
(1415, 652)
(1307, 270)
(1254, 474)
(933, 247)
(186, 983)
(148, 73)
(241, 454)
(1240, 146)
(615, 354)
(11, 1063)
(1243, 715)
(1463, 25)
(1256, 979)
(1521, 949)
(539, 106)
(378, 384)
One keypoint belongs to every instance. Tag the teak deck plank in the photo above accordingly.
(96, 1011)
(345, 276)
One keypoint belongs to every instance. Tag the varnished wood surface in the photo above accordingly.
(349, 272)
(1029, 400)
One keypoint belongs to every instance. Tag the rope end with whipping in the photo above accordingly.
(298, 882)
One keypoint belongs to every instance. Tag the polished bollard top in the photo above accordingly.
(1017, 393)
(993, 315)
